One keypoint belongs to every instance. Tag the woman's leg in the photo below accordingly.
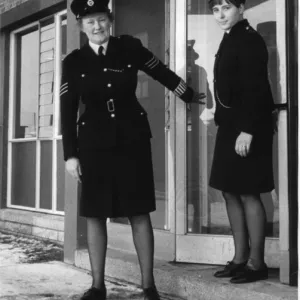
(256, 224)
(97, 245)
(143, 239)
(236, 215)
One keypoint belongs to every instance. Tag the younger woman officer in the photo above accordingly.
(108, 149)
(242, 165)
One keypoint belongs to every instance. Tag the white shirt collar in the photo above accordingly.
(96, 47)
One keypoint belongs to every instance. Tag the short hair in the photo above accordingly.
(109, 14)
(236, 3)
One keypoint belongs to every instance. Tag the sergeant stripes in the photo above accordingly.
(152, 63)
(63, 88)
(181, 88)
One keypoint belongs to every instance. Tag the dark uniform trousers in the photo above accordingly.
(112, 136)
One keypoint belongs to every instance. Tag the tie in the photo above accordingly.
(100, 51)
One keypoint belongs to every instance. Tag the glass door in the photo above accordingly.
(150, 22)
(203, 233)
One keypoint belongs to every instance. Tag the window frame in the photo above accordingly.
(59, 19)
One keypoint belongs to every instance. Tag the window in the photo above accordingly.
(35, 160)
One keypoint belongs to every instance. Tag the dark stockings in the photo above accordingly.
(247, 219)
(142, 233)
(143, 239)
(236, 215)
(256, 223)
(97, 245)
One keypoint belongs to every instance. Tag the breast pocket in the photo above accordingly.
(125, 80)
(92, 83)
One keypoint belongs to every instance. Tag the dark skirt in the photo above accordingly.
(241, 175)
(117, 182)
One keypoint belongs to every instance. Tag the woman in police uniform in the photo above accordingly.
(242, 164)
(108, 148)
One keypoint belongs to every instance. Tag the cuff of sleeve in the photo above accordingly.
(73, 154)
(247, 128)
(188, 95)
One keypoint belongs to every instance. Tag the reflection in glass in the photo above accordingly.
(138, 20)
(63, 41)
(47, 36)
(46, 175)
(27, 81)
(23, 174)
(60, 178)
(206, 210)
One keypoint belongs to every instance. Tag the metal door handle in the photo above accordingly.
(281, 106)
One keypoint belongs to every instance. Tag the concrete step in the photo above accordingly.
(190, 281)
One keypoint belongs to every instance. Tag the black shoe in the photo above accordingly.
(94, 294)
(250, 275)
(231, 269)
(151, 293)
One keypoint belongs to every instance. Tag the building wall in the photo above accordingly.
(6, 5)
(15, 14)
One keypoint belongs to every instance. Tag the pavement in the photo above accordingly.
(34, 269)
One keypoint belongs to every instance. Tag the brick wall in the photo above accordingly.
(6, 5)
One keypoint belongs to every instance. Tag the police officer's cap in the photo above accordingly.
(81, 8)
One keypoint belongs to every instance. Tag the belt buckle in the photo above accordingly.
(111, 105)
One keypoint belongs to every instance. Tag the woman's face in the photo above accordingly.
(227, 14)
(96, 27)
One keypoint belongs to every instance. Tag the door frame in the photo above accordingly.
(289, 270)
(219, 248)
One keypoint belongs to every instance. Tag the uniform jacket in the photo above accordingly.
(107, 86)
(242, 90)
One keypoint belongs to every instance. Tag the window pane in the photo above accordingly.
(27, 91)
(60, 178)
(63, 50)
(63, 36)
(137, 20)
(23, 174)
(46, 78)
(46, 175)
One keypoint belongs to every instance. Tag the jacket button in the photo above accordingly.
(112, 115)
(105, 70)
(82, 75)
(109, 85)
(83, 123)
(142, 113)
(129, 66)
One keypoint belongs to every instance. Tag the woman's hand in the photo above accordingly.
(243, 144)
(73, 167)
(197, 97)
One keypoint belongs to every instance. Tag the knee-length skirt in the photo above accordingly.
(233, 173)
(117, 182)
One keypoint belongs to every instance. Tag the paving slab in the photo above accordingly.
(191, 281)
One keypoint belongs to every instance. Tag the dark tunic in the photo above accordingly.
(112, 136)
(244, 103)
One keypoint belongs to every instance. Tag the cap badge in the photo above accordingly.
(90, 3)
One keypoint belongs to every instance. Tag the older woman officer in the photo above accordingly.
(108, 149)
(242, 165)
